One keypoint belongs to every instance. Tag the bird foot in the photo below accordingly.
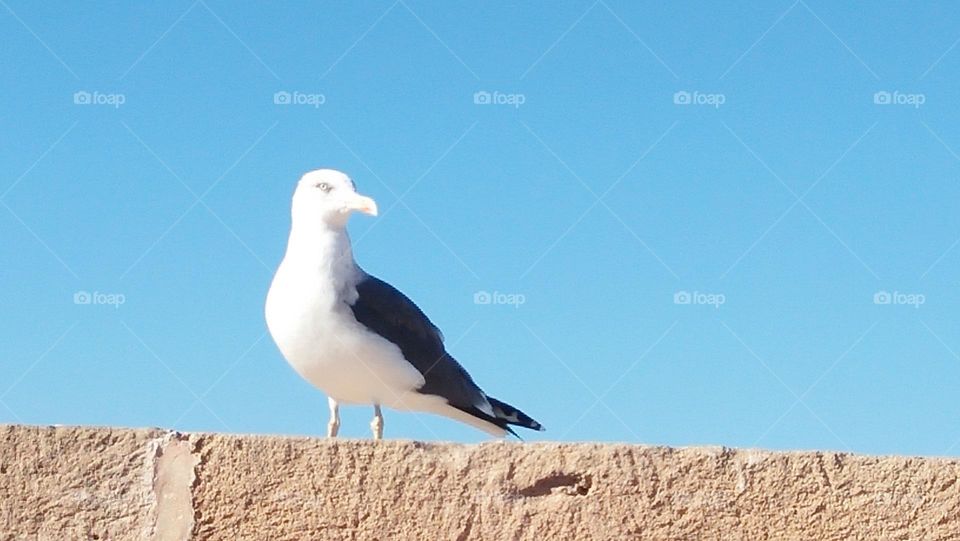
(376, 425)
(333, 427)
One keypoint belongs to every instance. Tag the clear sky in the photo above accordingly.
(731, 226)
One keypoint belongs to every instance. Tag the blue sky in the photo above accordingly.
(732, 226)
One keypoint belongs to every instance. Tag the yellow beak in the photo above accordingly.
(363, 204)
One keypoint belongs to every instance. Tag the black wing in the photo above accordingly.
(388, 312)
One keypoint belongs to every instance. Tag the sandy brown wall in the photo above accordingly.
(98, 483)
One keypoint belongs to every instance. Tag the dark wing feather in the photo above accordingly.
(386, 311)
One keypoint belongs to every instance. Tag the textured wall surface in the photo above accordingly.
(100, 483)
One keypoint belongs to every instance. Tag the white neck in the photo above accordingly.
(325, 254)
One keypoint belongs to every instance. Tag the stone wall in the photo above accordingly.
(66, 483)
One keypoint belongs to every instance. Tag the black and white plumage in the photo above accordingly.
(356, 337)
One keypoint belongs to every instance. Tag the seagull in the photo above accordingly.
(357, 338)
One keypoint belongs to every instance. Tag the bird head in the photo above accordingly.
(328, 196)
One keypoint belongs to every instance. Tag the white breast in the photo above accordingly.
(315, 330)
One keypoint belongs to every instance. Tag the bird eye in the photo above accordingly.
(324, 187)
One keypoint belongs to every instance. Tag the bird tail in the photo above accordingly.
(505, 415)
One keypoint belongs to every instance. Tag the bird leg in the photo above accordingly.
(376, 425)
(334, 425)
